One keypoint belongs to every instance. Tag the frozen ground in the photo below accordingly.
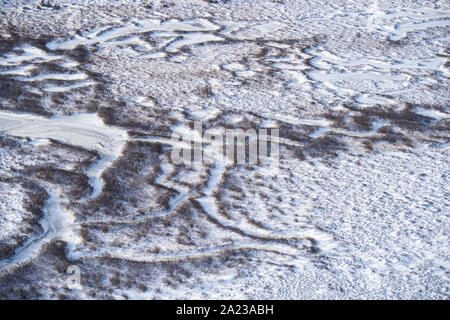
(91, 91)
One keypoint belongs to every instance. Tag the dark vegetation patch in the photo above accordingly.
(36, 198)
(80, 54)
(126, 181)
(7, 248)
(34, 201)
(442, 127)
(9, 142)
(401, 123)
(134, 116)
(73, 184)
(16, 39)
(15, 96)
(217, 1)
(48, 67)
(362, 121)
(88, 157)
(51, 266)
(404, 118)
(389, 135)
(48, 4)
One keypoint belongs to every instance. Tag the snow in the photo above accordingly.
(84, 130)
(356, 208)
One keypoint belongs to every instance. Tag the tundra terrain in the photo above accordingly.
(356, 208)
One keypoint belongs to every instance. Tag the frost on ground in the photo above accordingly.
(91, 91)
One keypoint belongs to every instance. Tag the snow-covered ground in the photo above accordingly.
(357, 208)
